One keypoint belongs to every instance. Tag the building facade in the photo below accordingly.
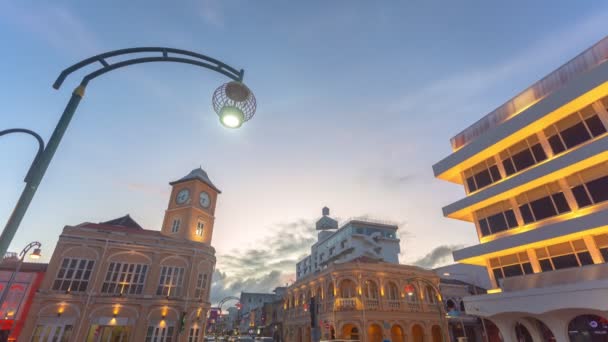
(253, 318)
(355, 239)
(14, 309)
(359, 291)
(366, 300)
(535, 173)
(462, 325)
(115, 281)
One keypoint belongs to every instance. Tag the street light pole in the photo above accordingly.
(35, 254)
(442, 318)
(233, 102)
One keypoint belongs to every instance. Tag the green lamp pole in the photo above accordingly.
(233, 102)
(438, 301)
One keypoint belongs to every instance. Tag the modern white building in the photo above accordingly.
(535, 172)
(355, 239)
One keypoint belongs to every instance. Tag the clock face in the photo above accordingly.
(182, 196)
(204, 200)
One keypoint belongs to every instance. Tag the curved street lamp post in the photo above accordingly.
(233, 102)
(438, 302)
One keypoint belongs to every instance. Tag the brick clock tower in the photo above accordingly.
(190, 213)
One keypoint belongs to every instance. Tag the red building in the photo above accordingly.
(15, 307)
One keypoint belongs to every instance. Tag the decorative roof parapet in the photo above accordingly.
(587, 60)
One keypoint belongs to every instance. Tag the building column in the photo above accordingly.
(568, 194)
(534, 260)
(140, 329)
(602, 113)
(544, 143)
(558, 327)
(506, 328)
(518, 217)
(501, 168)
(493, 281)
(593, 250)
(532, 329)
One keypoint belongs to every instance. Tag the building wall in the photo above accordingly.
(536, 184)
(16, 306)
(83, 309)
(355, 239)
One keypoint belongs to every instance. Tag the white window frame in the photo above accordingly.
(123, 275)
(171, 280)
(201, 285)
(200, 226)
(194, 333)
(56, 332)
(73, 273)
(175, 225)
(156, 333)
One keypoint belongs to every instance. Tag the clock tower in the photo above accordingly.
(191, 209)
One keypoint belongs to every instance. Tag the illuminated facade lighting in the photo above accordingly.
(536, 183)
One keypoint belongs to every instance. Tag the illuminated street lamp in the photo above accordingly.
(233, 102)
(36, 254)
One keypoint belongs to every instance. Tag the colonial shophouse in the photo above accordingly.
(361, 292)
(115, 281)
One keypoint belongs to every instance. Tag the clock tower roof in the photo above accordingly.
(197, 174)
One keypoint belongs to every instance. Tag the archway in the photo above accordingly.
(436, 333)
(545, 333)
(412, 293)
(374, 333)
(330, 290)
(392, 291)
(522, 333)
(350, 332)
(397, 334)
(370, 289)
(417, 333)
(588, 328)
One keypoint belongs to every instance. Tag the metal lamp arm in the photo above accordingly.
(40, 146)
(28, 247)
(185, 56)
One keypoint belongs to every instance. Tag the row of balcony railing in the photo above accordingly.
(370, 304)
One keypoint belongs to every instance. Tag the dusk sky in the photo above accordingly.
(356, 101)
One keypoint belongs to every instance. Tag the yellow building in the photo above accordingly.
(115, 281)
(535, 172)
(366, 300)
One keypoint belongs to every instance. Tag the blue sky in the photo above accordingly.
(356, 101)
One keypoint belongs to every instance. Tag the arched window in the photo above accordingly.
(347, 289)
(430, 294)
(330, 290)
(370, 289)
(412, 293)
(392, 292)
(450, 305)
(581, 328)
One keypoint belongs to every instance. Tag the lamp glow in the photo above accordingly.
(36, 254)
(231, 117)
